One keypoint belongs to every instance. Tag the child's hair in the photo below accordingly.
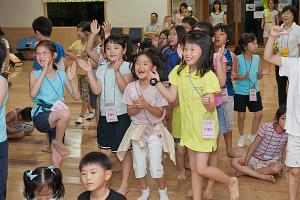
(154, 56)
(165, 32)
(184, 5)
(281, 110)
(204, 41)
(189, 20)
(121, 40)
(129, 48)
(181, 34)
(49, 45)
(293, 10)
(1, 32)
(26, 114)
(2, 53)
(96, 158)
(205, 27)
(217, 2)
(225, 29)
(43, 177)
(243, 42)
(82, 24)
(87, 28)
(42, 25)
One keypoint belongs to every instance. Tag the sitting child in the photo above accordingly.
(17, 125)
(264, 156)
(95, 169)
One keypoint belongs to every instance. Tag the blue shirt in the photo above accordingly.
(229, 66)
(3, 134)
(50, 91)
(61, 54)
(171, 60)
(242, 86)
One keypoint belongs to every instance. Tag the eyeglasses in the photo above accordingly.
(44, 53)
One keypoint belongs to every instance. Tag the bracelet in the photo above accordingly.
(153, 81)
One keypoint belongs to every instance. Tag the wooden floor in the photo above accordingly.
(25, 153)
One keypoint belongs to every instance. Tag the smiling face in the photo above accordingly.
(281, 121)
(93, 176)
(220, 38)
(191, 54)
(114, 52)
(173, 38)
(143, 66)
(44, 57)
(287, 17)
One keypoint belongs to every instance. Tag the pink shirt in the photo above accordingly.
(151, 95)
(218, 97)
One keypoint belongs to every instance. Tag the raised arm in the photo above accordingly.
(89, 49)
(70, 83)
(122, 80)
(35, 83)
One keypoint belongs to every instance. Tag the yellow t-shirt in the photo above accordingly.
(77, 48)
(190, 90)
(176, 122)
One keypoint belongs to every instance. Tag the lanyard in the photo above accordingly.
(137, 91)
(105, 87)
(287, 42)
(194, 86)
(54, 88)
(251, 83)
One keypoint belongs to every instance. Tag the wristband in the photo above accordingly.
(153, 81)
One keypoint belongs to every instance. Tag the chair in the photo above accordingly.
(116, 31)
(135, 35)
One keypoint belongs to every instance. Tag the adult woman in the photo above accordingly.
(270, 18)
(217, 16)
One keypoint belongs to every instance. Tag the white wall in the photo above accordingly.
(122, 13)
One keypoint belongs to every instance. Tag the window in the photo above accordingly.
(71, 13)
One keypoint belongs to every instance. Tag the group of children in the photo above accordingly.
(187, 79)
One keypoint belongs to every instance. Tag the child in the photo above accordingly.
(195, 85)
(5, 67)
(188, 23)
(3, 134)
(43, 183)
(146, 134)
(217, 15)
(95, 170)
(46, 87)
(112, 79)
(42, 28)
(16, 125)
(264, 156)
(246, 86)
(289, 67)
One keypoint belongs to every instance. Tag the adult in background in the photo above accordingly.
(217, 15)
(150, 31)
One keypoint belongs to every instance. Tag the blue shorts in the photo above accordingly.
(221, 119)
(41, 123)
(177, 140)
(110, 134)
(3, 168)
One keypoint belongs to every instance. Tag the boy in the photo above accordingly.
(289, 67)
(42, 28)
(3, 134)
(95, 169)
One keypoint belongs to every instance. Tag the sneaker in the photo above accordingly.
(145, 194)
(251, 138)
(79, 120)
(90, 116)
(163, 194)
(241, 142)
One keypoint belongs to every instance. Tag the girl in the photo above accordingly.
(270, 18)
(112, 79)
(16, 125)
(195, 85)
(147, 133)
(217, 15)
(5, 67)
(43, 183)
(46, 87)
(246, 86)
(264, 156)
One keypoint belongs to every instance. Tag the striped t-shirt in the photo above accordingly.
(272, 143)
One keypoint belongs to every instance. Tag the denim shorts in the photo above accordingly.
(221, 119)
(41, 123)
(3, 168)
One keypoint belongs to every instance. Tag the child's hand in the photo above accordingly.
(71, 71)
(233, 76)
(45, 65)
(142, 102)
(85, 65)
(168, 18)
(243, 162)
(153, 74)
(277, 31)
(154, 41)
(205, 100)
(117, 64)
(107, 28)
(95, 29)
(247, 74)
(220, 53)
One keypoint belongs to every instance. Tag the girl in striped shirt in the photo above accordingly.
(264, 156)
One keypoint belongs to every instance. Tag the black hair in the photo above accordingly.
(1, 32)
(154, 56)
(49, 45)
(217, 2)
(122, 40)
(129, 48)
(96, 158)
(189, 20)
(280, 111)
(243, 42)
(165, 32)
(154, 13)
(204, 41)
(81, 24)
(225, 29)
(41, 177)
(2, 53)
(181, 34)
(205, 27)
(293, 10)
(26, 114)
(42, 25)
(87, 28)
(183, 5)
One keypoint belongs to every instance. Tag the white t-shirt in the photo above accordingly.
(217, 18)
(291, 68)
(273, 14)
(291, 40)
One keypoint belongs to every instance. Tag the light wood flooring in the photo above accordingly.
(26, 153)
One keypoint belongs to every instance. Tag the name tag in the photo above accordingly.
(284, 52)
(252, 95)
(59, 105)
(208, 129)
(224, 94)
(111, 113)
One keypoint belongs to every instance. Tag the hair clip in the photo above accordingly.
(51, 168)
(30, 175)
